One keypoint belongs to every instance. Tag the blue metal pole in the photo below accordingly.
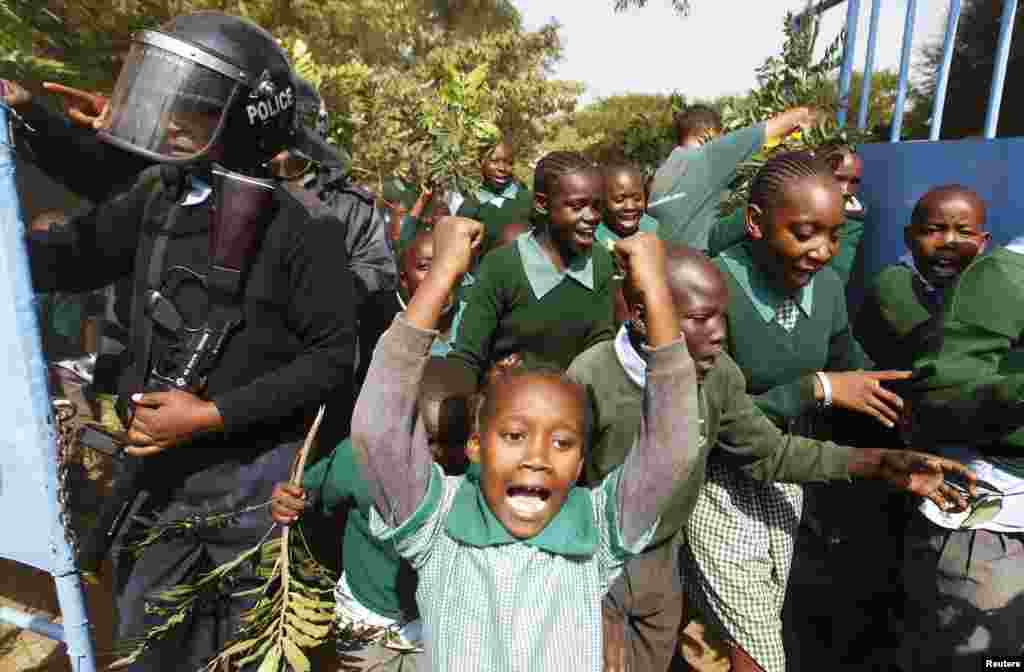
(846, 74)
(38, 430)
(901, 89)
(995, 96)
(869, 65)
(947, 58)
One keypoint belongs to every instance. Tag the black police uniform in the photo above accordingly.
(366, 243)
(294, 351)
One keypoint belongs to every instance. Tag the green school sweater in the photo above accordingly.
(971, 378)
(496, 213)
(737, 432)
(891, 317)
(688, 187)
(732, 230)
(850, 234)
(779, 366)
(504, 316)
(378, 577)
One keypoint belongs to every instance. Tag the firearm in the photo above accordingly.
(243, 209)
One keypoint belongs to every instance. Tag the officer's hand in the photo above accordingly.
(165, 419)
(14, 94)
(83, 108)
(456, 240)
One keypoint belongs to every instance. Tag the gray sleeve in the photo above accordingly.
(668, 445)
(388, 435)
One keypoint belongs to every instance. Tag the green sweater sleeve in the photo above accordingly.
(789, 400)
(726, 232)
(334, 481)
(844, 352)
(729, 151)
(480, 319)
(745, 434)
(850, 235)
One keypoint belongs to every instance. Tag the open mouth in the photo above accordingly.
(527, 500)
(629, 221)
(585, 234)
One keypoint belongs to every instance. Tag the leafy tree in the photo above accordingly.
(376, 61)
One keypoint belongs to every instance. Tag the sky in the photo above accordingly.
(712, 52)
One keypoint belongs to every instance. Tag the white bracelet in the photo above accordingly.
(826, 389)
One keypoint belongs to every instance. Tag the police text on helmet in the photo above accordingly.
(273, 106)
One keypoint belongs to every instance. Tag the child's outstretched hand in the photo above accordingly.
(927, 475)
(287, 503)
(456, 240)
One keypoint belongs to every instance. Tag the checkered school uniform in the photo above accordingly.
(737, 558)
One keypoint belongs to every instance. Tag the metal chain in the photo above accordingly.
(67, 436)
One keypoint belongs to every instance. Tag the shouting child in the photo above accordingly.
(905, 296)
(513, 565)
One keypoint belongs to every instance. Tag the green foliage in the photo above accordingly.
(786, 81)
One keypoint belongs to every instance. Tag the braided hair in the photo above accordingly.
(553, 166)
(769, 186)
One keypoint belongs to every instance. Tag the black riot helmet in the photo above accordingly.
(204, 87)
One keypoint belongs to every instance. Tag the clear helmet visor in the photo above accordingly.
(166, 107)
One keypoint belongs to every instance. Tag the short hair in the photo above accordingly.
(768, 188)
(614, 168)
(485, 399)
(556, 164)
(918, 214)
(406, 247)
(696, 120)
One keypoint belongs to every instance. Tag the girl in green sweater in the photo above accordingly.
(788, 332)
(548, 296)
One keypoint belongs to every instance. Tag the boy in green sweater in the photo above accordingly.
(547, 297)
(965, 573)
(736, 436)
(501, 199)
(687, 188)
(905, 296)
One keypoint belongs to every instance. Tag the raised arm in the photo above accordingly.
(388, 435)
(668, 445)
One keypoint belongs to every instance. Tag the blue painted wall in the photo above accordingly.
(896, 175)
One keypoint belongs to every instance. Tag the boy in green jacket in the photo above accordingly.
(736, 437)
(964, 574)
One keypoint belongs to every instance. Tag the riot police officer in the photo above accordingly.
(210, 98)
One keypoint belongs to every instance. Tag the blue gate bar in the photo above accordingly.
(901, 89)
(852, 15)
(995, 96)
(869, 65)
(947, 58)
